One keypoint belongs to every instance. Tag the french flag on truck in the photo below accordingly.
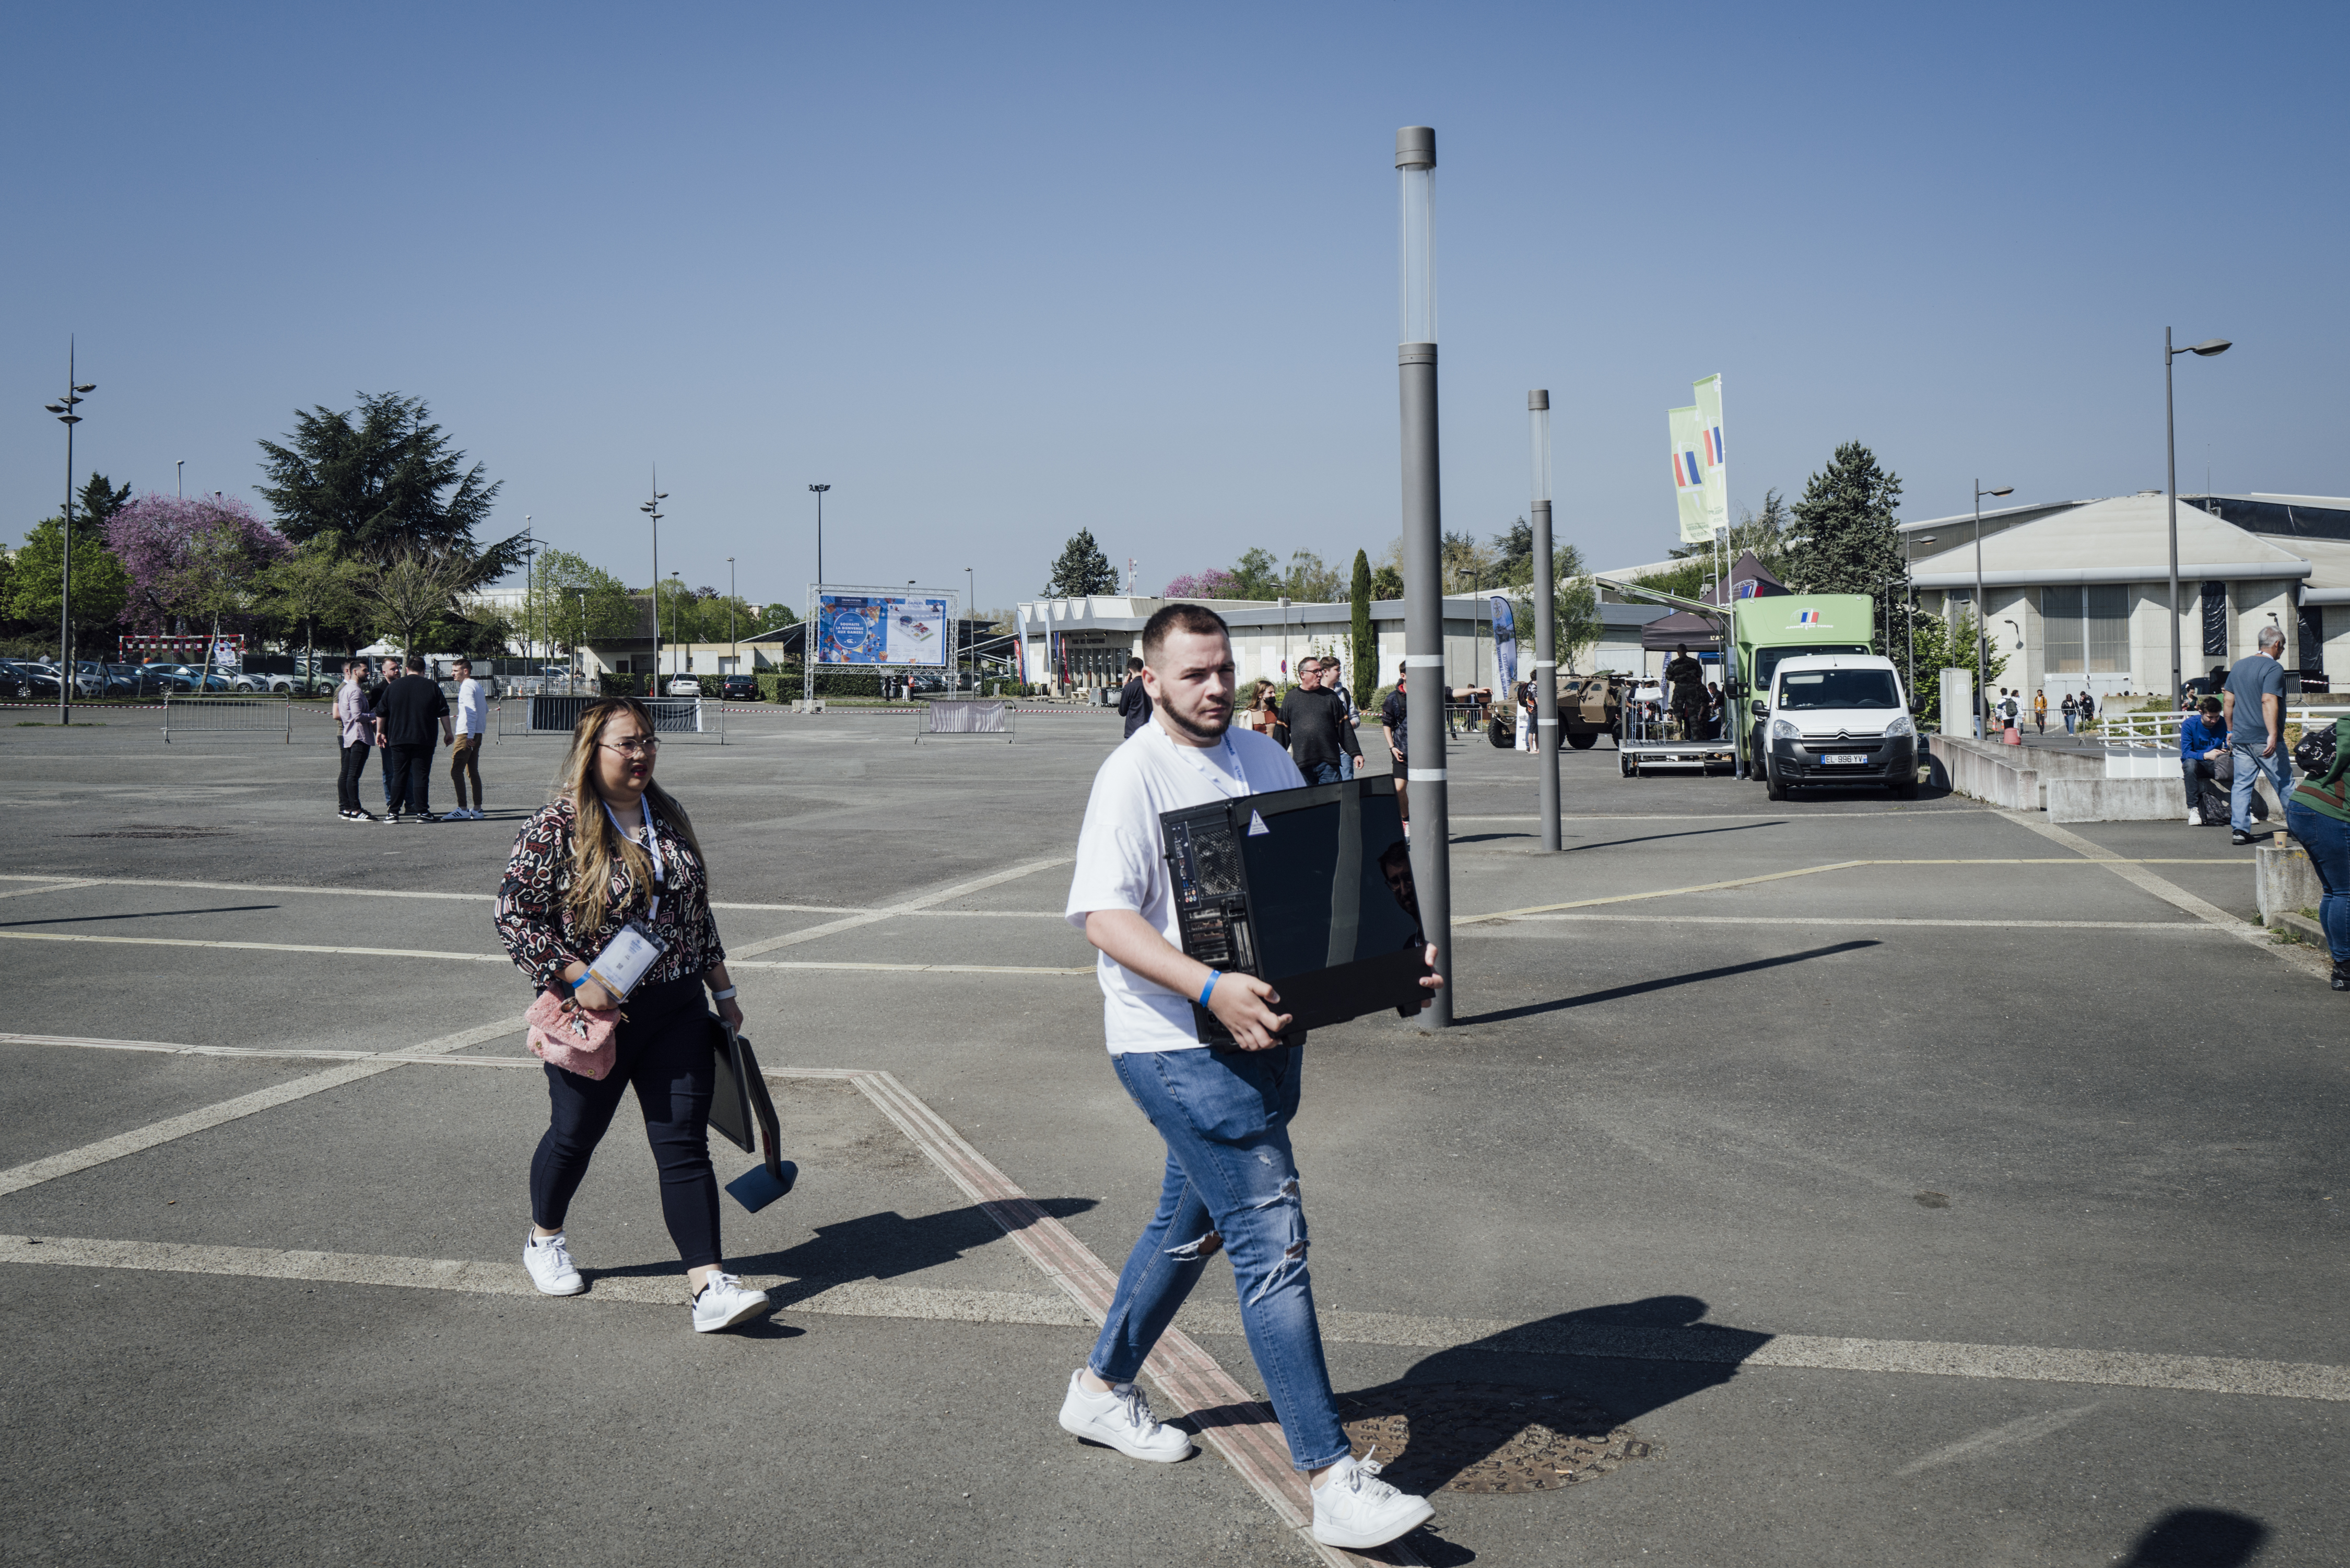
(1807, 617)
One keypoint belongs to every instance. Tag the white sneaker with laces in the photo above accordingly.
(1121, 1419)
(723, 1302)
(549, 1259)
(2194, 816)
(1354, 1509)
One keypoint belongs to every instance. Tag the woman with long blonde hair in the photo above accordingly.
(615, 848)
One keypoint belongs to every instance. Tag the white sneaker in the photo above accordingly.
(724, 1301)
(2194, 816)
(549, 1259)
(1121, 1420)
(1354, 1510)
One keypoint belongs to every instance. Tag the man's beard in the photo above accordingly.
(1204, 733)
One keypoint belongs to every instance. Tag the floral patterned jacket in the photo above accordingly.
(539, 933)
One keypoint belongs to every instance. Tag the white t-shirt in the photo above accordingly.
(473, 715)
(1121, 861)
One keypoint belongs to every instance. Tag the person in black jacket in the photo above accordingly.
(404, 717)
(1134, 702)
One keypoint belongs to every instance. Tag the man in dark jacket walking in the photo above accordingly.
(404, 717)
(1319, 731)
(1134, 702)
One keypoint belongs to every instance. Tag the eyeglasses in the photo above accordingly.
(635, 746)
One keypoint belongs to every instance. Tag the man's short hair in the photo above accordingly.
(1133, 663)
(461, 663)
(416, 663)
(2210, 704)
(1197, 619)
(2272, 637)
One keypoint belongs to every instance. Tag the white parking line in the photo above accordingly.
(60, 884)
(33, 1174)
(909, 907)
(2192, 927)
(502, 959)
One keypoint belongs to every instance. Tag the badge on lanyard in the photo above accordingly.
(626, 959)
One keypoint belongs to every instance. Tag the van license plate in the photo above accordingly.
(1842, 759)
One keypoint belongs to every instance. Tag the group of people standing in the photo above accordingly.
(2010, 709)
(401, 713)
(1316, 725)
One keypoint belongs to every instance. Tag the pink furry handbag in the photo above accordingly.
(573, 1038)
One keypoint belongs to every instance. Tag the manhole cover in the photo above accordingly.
(154, 832)
(1488, 1437)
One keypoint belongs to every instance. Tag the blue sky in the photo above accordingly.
(998, 273)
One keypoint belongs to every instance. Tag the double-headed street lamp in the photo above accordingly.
(2206, 348)
(1982, 606)
(732, 646)
(651, 509)
(64, 408)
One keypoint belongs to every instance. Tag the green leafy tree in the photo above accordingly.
(1849, 544)
(776, 616)
(1687, 579)
(1310, 581)
(1945, 645)
(1366, 661)
(1082, 570)
(1576, 607)
(314, 586)
(389, 485)
(574, 602)
(101, 585)
(1256, 576)
(413, 589)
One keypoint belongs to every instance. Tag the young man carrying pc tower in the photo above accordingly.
(1231, 1180)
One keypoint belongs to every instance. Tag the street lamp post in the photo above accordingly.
(1423, 560)
(733, 647)
(529, 564)
(1982, 607)
(651, 509)
(819, 490)
(676, 603)
(578, 648)
(1545, 666)
(64, 408)
(180, 478)
(970, 604)
(2205, 349)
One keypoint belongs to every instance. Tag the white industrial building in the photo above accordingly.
(2078, 593)
(1081, 644)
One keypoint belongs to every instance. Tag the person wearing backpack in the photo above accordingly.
(2072, 713)
(2317, 813)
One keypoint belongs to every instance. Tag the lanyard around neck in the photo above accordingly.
(1227, 785)
(652, 847)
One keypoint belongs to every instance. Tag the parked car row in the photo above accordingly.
(37, 680)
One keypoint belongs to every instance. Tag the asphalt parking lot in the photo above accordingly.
(1901, 1182)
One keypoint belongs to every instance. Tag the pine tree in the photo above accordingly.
(1366, 661)
(1848, 545)
(1082, 570)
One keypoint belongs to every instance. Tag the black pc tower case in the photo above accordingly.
(1308, 888)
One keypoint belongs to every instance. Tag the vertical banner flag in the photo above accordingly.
(1505, 640)
(1689, 477)
(1715, 466)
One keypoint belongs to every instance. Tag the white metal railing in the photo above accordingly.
(2146, 744)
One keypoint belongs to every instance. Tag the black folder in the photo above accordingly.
(742, 1112)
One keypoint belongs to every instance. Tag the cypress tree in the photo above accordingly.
(1365, 659)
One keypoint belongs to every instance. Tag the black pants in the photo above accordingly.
(409, 771)
(346, 786)
(663, 1049)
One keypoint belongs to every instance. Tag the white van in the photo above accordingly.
(1837, 719)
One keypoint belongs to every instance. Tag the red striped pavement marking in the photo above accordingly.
(1239, 1429)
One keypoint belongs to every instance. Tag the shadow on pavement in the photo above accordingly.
(880, 1246)
(1616, 994)
(2198, 1538)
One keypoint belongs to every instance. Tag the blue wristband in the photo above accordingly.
(1210, 989)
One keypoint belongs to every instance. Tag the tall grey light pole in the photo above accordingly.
(64, 408)
(529, 564)
(1423, 564)
(1546, 624)
(180, 478)
(819, 490)
(2206, 348)
(651, 509)
(970, 608)
(733, 647)
(676, 604)
(1983, 611)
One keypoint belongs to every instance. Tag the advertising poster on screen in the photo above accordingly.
(881, 629)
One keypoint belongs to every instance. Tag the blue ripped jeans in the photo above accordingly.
(1232, 1185)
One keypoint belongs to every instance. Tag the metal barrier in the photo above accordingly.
(990, 716)
(672, 716)
(245, 713)
(2146, 744)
